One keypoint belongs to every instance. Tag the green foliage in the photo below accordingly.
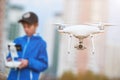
(68, 76)
(82, 76)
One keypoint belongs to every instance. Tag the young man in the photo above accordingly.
(33, 55)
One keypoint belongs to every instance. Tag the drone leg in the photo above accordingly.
(93, 45)
(69, 42)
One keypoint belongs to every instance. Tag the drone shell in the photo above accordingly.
(81, 30)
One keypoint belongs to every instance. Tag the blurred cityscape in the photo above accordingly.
(79, 64)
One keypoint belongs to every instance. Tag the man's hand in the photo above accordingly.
(24, 63)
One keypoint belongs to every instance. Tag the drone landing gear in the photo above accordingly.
(69, 43)
(93, 45)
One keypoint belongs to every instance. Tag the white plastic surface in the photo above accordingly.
(11, 64)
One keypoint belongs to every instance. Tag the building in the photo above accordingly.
(2, 19)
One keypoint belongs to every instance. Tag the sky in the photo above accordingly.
(114, 18)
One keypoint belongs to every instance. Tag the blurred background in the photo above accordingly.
(79, 64)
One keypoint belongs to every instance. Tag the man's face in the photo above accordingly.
(29, 28)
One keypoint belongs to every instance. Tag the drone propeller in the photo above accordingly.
(100, 25)
(108, 25)
(60, 26)
(105, 24)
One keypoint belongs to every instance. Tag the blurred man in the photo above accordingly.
(33, 55)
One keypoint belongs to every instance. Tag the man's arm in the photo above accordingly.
(41, 62)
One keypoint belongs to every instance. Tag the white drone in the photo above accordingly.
(81, 32)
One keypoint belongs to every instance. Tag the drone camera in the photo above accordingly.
(81, 46)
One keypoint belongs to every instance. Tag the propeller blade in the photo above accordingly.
(100, 23)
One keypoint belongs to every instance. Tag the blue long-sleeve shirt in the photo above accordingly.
(36, 54)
